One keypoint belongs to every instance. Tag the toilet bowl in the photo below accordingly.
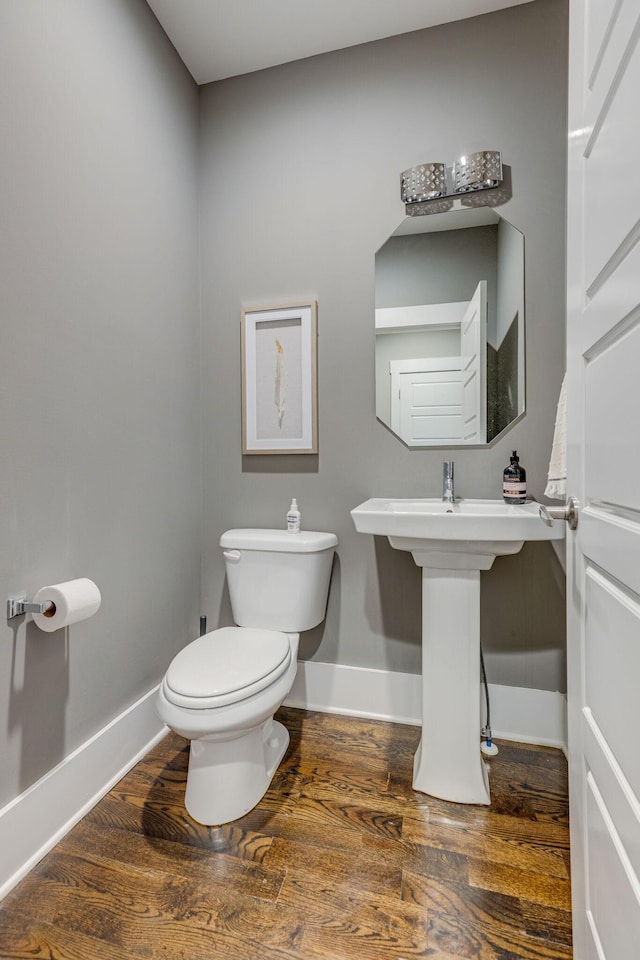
(222, 690)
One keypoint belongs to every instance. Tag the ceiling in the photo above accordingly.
(225, 38)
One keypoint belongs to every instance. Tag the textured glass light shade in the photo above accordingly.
(428, 207)
(424, 182)
(477, 171)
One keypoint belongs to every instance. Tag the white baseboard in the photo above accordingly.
(517, 713)
(36, 820)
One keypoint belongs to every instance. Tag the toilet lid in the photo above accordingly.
(226, 665)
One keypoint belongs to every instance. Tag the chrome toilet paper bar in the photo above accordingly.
(17, 606)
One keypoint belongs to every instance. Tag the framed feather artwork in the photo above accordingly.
(279, 379)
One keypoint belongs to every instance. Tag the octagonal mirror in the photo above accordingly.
(449, 328)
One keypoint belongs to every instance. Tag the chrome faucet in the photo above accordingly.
(447, 481)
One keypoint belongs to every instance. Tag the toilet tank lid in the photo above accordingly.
(306, 541)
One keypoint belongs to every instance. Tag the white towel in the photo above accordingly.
(556, 487)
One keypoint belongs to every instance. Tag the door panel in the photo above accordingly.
(614, 922)
(616, 794)
(430, 405)
(611, 191)
(426, 399)
(603, 568)
(612, 668)
(612, 413)
(446, 429)
(435, 395)
(599, 18)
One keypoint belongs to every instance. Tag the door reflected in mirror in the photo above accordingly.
(449, 328)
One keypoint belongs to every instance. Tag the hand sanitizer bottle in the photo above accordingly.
(293, 518)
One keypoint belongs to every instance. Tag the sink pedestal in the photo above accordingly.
(448, 763)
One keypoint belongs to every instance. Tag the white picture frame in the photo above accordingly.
(279, 379)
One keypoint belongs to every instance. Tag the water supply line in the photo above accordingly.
(487, 746)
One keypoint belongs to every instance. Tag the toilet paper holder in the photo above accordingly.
(17, 606)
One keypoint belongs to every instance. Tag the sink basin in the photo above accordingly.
(453, 542)
(466, 534)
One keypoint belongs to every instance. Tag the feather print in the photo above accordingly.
(280, 385)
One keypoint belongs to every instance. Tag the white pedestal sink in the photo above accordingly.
(453, 542)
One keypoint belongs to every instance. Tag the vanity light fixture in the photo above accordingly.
(420, 186)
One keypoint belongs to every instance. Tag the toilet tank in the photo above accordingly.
(278, 580)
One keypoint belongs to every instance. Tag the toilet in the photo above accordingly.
(222, 690)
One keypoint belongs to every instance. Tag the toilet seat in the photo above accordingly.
(226, 666)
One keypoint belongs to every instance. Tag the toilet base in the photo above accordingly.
(228, 778)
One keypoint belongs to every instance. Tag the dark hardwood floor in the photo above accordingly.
(340, 860)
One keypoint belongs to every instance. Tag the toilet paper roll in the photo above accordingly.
(72, 601)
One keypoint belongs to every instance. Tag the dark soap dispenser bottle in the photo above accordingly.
(514, 481)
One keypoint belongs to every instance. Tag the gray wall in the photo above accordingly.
(300, 174)
(510, 291)
(99, 400)
(441, 267)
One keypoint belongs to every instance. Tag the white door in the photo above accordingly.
(426, 400)
(603, 564)
(473, 347)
